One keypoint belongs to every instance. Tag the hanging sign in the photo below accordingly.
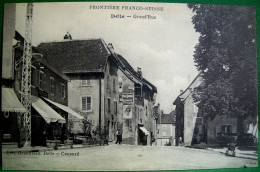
(126, 97)
(127, 112)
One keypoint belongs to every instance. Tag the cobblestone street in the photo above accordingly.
(123, 157)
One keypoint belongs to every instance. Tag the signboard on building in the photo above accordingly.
(127, 112)
(126, 98)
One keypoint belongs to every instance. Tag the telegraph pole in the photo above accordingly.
(26, 75)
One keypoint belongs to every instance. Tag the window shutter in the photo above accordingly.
(84, 102)
(88, 103)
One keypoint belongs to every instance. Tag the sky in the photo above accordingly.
(163, 47)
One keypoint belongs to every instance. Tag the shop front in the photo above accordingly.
(12, 111)
(47, 125)
(143, 135)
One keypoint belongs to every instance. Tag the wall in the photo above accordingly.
(214, 126)
(166, 134)
(128, 125)
(47, 73)
(251, 125)
(111, 93)
(8, 35)
(75, 93)
(189, 120)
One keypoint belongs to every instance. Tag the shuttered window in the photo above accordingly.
(86, 103)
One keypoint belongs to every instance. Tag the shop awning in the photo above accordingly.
(48, 114)
(10, 102)
(65, 108)
(144, 130)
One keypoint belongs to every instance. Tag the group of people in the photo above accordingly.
(118, 137)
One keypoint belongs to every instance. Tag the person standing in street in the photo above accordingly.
(118, 137)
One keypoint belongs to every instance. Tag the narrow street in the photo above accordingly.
(124, 157)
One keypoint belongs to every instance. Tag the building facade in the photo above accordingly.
(136, 101)
(93, 86)
(166, 130)
(192, 127)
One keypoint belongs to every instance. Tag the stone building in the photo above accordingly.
(92, 70)
(191, 125)
(49, 89)
(136, 101)
(166, 129)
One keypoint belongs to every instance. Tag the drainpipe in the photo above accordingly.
(99, 120)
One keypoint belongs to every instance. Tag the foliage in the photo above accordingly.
(226, 57)
(70, 125)
(86, 127)
(101, 132)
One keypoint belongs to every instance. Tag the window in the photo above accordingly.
(108, 105)
(108, 83)
(115, 107)
(33, 76)
(52, 85)
(225, 129)
(41, 76)
(86, 103)
(86, 82)
(63, 94)
(114, 85)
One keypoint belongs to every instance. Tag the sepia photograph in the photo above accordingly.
(129, 86)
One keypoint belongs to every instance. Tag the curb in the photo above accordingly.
(245, 157)
(236, 155)
(46, 149)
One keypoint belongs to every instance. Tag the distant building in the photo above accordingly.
(166, 130)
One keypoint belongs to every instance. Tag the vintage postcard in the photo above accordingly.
(128, 86)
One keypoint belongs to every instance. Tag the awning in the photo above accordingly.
(48, 114)
(144, 130)
(66, 109)
(10, 102)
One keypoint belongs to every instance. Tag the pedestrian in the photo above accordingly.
(117, 137)
(120, 137)
(180, 141)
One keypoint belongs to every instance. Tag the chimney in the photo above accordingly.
(110, 47)
(67, 36)
(139, 71)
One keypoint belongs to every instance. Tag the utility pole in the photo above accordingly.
(26, 75)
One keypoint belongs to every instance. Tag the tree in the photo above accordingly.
(86, 127)
(226, 57)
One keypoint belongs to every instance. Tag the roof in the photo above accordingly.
(175, 101)
(76, 56)
(125, 65)
(167, 119)
(20, 38)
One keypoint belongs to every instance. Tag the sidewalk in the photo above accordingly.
(15, 149)
(240, 153)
